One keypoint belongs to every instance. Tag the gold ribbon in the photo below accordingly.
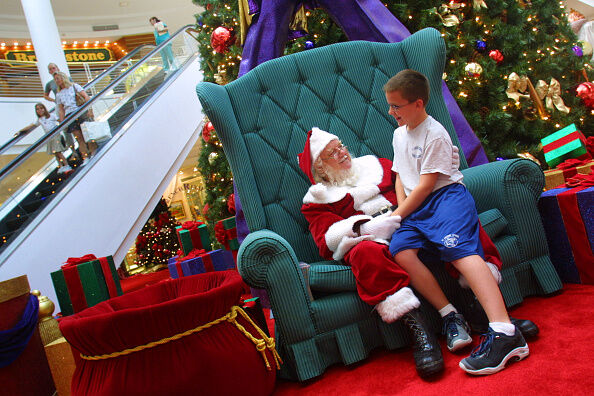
(245, 19)
(552, 95)
(447, 18)
(299, 21)
(478, 4)
(516, 86)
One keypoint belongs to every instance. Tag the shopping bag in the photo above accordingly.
(96, 130)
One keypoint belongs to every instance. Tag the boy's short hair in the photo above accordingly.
(411, 84)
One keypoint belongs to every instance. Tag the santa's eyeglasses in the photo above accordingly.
(336, 152)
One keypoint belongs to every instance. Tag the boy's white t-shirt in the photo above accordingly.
(424, 149)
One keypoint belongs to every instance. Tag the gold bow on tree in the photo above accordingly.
(445, 14)
(552, 95)
(516, 86)
(478, 4)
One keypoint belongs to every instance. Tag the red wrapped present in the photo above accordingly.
(193, 235)
(85, 281)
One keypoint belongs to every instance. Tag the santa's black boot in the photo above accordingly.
(479, 323)
(427, 352)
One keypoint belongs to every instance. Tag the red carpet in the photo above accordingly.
(560, 361)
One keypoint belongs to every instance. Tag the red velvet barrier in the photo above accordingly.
(219, 360)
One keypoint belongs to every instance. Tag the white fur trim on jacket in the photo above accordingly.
(494, 270)
(340, 237)
(398, 304)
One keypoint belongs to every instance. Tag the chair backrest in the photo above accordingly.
(263, 117)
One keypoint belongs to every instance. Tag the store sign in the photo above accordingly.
(72, 55)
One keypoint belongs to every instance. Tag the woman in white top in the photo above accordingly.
(66, 104)
(56, 144)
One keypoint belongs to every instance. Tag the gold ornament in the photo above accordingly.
(473, 69)
(552, 95)
(48, 326)
(516, 87)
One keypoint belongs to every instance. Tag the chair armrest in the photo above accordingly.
(513, 187)
(266, 260)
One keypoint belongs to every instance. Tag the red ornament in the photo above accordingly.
(231, 203)
(585, 91)
(207, 131)
(221, 39)
(496, 55)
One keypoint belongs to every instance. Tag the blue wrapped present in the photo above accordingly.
(215, 260)
(568, 219)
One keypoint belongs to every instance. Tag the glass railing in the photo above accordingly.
(32, 178)
(99, 79)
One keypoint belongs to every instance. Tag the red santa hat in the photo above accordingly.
(316, 142)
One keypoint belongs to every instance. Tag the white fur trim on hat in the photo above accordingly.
(398, 304)
(494, 270)
(318, 141)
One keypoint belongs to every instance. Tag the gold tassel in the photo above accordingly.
(299, 21)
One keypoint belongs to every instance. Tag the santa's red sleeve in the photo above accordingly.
(332, 233)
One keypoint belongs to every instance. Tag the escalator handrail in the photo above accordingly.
(82, 109)
(88, 85)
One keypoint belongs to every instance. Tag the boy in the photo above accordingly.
(439, 213)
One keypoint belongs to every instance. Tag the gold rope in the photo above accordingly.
(261, 343)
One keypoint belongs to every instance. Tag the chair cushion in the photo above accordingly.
(493, 222)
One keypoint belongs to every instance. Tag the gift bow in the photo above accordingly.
(572, 163)
(193, 254)
(590, 145)
(74, 261)
(581, 180)
(552, 93)
(191, 225)
(516, 84)
(221, 235)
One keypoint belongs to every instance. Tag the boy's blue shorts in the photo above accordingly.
(446, 222)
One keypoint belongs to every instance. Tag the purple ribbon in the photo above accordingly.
(13, 341)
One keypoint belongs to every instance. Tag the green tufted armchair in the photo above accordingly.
(262, 120)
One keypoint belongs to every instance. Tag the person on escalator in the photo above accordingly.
(161, 33)
(57, 144)
(66, 104)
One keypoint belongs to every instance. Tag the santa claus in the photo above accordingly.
(348, 207)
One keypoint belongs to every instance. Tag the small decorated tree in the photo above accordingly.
(157, 241)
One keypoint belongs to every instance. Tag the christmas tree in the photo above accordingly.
(493, 48)
(157, 241)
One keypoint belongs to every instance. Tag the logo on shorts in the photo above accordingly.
(417, 152)
(450, 240)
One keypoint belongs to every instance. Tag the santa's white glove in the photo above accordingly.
(381, 227)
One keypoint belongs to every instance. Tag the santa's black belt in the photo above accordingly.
(385, 209)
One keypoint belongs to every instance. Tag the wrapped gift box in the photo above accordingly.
(199, 262)
(563, 144)
(226, 234)
(193, 235)
(555, 177)
(568, 218)
(84, 282)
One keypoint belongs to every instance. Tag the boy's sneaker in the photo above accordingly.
(456, 331)
(495, 349)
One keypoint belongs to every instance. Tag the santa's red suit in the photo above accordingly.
(333, 210)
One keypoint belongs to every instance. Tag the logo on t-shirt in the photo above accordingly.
(417, 152)
(450, 240)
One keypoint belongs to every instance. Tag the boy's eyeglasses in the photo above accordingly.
(334, 154)
(396, 108)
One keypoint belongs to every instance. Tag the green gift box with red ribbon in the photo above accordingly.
(226, 234)
(193, 235)
(85, 281)
(563, 144)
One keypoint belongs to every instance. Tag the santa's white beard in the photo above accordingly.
(342, 177)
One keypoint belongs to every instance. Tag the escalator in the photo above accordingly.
(152, 116)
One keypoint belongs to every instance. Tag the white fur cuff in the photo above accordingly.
(398, 304)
